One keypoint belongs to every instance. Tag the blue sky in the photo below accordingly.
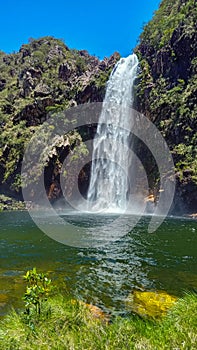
(101, 27)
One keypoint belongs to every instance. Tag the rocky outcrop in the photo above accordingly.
(46, 77)
(65, 71)
(167, 89)
(43, 78)
(35, 113)
(2, 84)
(8, 203)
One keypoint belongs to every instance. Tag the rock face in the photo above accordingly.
(46, 77)
(167, 90)
(43, 78)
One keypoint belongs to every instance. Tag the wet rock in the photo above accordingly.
(97, 313)
(150, 304)
(54, 191)
(193, 216)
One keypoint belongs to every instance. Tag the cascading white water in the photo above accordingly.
(108, 189)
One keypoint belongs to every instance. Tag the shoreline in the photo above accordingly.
(12, 204)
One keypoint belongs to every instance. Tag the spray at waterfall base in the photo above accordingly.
(118, 181)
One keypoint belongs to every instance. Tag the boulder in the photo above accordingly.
(150, 304)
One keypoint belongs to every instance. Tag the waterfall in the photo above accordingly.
(111, 158)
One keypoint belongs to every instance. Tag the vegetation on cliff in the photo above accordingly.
(167, 86)
(46, 77)
(43, 78)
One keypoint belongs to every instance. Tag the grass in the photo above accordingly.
(68, 324)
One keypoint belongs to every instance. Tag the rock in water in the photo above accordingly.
(150, 304)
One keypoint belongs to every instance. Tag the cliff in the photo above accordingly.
(44, 77)
(167, 89)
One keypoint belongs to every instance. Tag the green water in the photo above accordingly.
(165, 260)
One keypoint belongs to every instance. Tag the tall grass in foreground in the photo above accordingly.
(68, 324)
